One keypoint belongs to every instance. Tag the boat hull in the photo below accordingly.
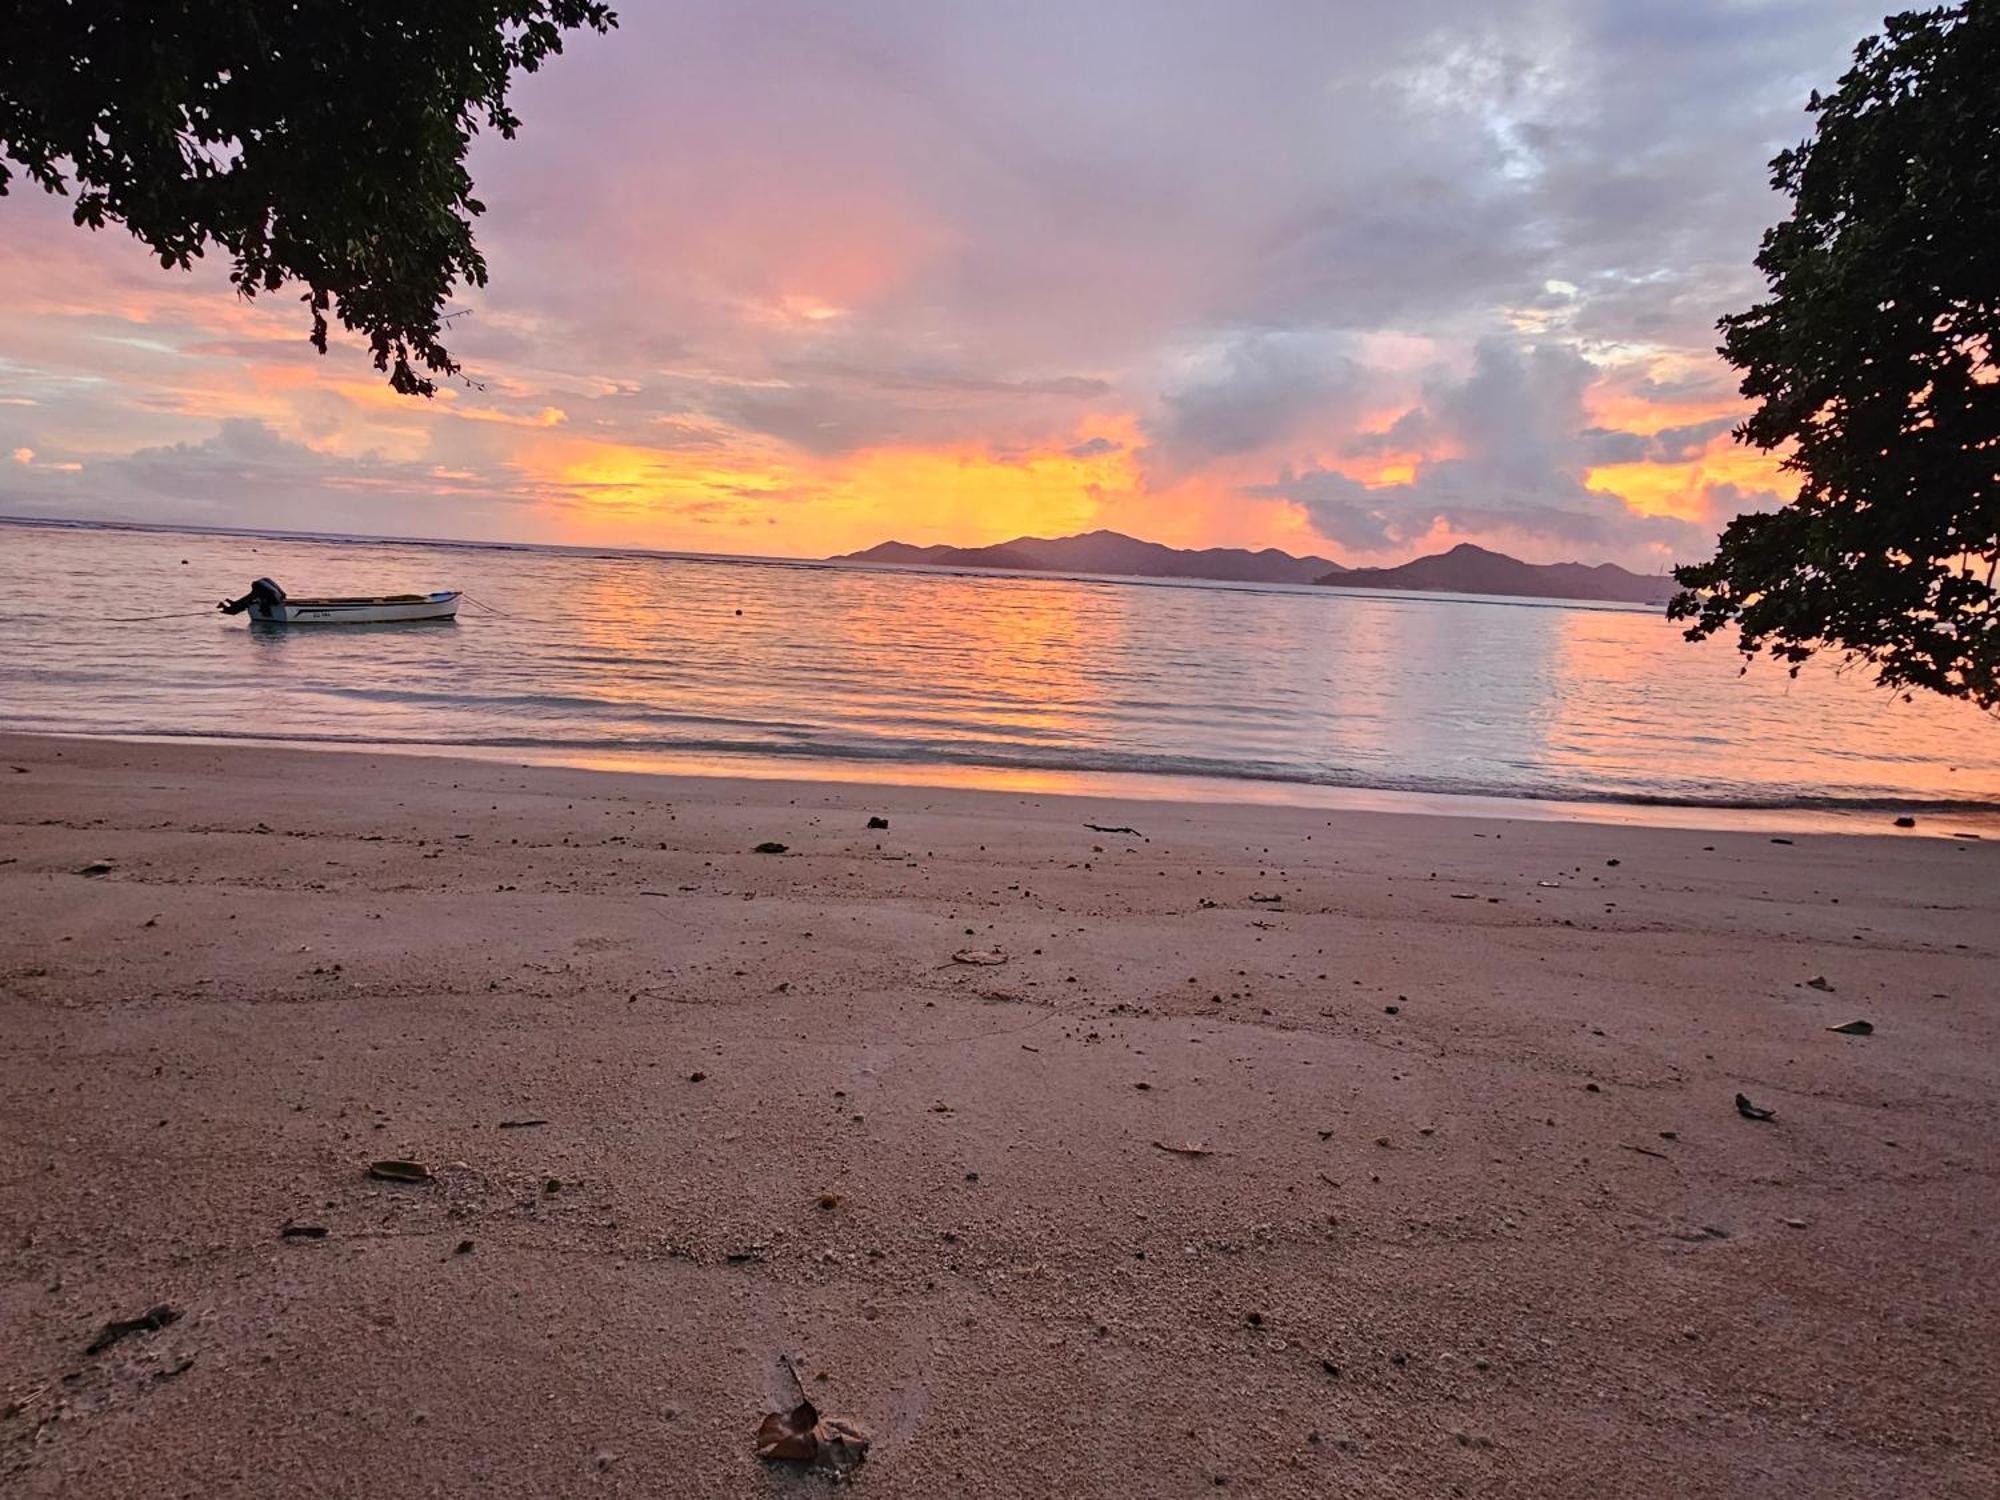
(389, 610)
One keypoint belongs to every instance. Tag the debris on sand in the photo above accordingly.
(1820, 982)
(96, 867)
(805, 1435)
(1751, 1111)
(878, 822)
(302, 1232)
(152, 1320)
(1906, 822)
(399, 1171)
(1854, 1028)
(1187, 1150)
(769, 846)
(527, 1124)
(979, 956)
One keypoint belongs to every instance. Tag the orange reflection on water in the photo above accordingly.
(1645, 679)
(1014, 654)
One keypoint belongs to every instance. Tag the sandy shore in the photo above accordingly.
(1479, 1217)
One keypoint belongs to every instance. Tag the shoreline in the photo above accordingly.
(1286, 1151)
(1977, 820)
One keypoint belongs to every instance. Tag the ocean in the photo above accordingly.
(755, 665)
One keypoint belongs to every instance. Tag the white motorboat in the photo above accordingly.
(267, 604)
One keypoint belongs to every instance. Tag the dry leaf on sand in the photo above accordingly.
(979, 956)
(802, 1435)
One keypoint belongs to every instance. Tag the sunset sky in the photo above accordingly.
(794, 278)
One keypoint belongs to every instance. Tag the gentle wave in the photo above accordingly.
(1078, 762)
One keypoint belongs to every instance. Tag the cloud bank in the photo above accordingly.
(795, 277)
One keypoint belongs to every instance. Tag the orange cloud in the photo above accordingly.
(1681, 489)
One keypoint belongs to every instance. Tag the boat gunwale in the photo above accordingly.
(443, 596)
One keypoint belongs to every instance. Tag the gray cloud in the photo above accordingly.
(247, 475)
(1248, 392)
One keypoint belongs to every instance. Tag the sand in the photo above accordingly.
(1477, 1216)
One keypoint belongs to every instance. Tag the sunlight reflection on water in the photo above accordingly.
(610, 659)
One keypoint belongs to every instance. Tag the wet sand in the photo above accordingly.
(1477, 1215)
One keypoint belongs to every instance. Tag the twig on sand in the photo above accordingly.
(1105, 828)
(978, 957)
(1189, 1150)
(1645, 1151)
(785, 1362)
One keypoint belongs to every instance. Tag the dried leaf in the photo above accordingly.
(1188, 1150)
(769, 846)
(1855, 1028)
(1751, 1111)
(843, 1443)
(979, 956)
(803, 1436)
(790, 1435)
(399, 1171)
(1819, 982)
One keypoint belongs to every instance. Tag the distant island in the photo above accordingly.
(1113, 553)
(1465, 569)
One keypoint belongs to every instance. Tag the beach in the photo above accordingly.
(1242, 1149)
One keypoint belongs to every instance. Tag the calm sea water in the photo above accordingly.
(603, 658)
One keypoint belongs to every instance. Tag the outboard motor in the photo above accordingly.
(266, 595)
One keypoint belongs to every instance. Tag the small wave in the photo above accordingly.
(1026, 758)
